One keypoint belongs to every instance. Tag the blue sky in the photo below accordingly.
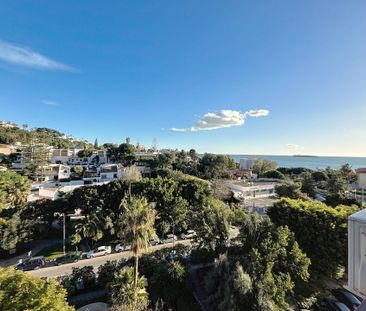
(259, 77)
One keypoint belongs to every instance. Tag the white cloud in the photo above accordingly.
(257, 113)
(26, 57)
(49, 103)
(222, 119)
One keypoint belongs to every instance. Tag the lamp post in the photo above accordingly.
(64, 234)
(173, 232)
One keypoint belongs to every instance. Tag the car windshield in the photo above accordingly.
(352, 298)
(341, 306)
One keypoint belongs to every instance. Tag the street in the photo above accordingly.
(55, 271)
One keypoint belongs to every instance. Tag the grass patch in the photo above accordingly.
(55, 251)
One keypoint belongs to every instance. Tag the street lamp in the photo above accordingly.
(64, 234)
(173, 232)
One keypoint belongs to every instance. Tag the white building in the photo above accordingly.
(54, 193)
(53, 172)
(70, 157)
(61, 156)
(246, 163)
(357, 252)
(99, 157)
(361, 178)
(250, 190)
(110, 172)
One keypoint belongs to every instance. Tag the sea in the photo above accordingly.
(316, 162)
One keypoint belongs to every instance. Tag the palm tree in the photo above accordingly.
(137, 223)
(125, 294)
(90, 227)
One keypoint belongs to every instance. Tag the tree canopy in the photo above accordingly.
(21, 291)
(320, 230)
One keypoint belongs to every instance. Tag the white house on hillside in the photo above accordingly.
(53, 172)
(110, 171)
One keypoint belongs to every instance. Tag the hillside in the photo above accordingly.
(12, 135)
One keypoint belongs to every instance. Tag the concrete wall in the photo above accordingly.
(357, 252)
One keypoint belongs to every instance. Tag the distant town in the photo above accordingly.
(94, 221)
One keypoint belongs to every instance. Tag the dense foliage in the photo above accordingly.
(21, 291)
(259, 272)
(320, 230)
(37, 135)
(14, 189)
(262, 166)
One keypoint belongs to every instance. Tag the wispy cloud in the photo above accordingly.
(295, 147)
(49, 103)
(24, 56)
(222, 119)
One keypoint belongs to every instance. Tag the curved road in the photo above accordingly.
(55, 271)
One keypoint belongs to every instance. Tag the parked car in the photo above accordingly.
(350, 300)
(154, 242)
(190, 234)
(118, 248)
(100, 251)
(169, 239)
(68, 258)
(33, 263)
(336, 305)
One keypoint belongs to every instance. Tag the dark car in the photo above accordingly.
(68, 258)
(33, 263)
(350, 300)
(333, 304)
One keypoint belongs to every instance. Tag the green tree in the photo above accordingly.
(14, 189)
(290, 189)
(348, 173)
(274, 174)
(212, 227)
(308, 185)
(337, 184)
(320, 230)
(90, 227)
(216, 166)
(126, 152)
(261, 166)
(193, 154)
(262, 270)
(165, 159)
(128, 293)
(319, 176)
(21, 291)
(137, 226)
(96, 145)
(85, 153)
(229, 285)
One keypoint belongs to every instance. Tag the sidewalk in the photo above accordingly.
(38, 246)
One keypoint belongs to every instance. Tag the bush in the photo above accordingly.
(274, 174)
(320, 230)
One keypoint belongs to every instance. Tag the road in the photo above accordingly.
(55, 271)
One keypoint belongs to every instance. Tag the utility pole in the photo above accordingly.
(64, 233)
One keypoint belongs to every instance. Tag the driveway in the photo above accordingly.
(95, 262)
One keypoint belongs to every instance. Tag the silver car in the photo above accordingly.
(169, 239)
(100, 251)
